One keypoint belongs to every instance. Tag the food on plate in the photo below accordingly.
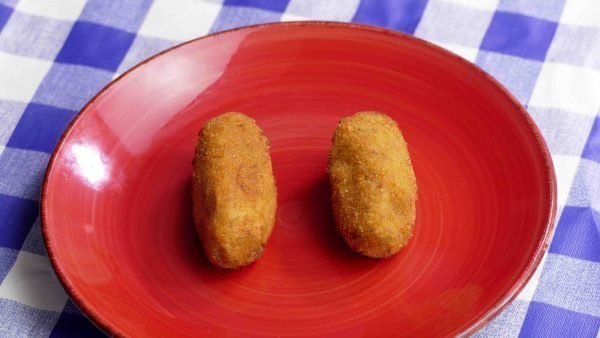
(234, 193)
(374, 190)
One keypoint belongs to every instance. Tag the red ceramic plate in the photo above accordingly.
(116, 205)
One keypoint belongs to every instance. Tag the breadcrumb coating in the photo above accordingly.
(234, 193)
(374, 189)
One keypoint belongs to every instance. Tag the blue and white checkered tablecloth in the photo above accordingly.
(56, 54)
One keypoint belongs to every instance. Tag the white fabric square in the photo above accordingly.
(567, 87)
(565, 132)
(31, 281)
(565, 168)
(10, 114)
(468, 53)
(179, 20)
(341, 10)
(20, 76)
(481, 4)
(581, 13)
(57, 9)
(293, 17)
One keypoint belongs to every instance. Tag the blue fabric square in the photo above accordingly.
(72, 325)
(592, 146)
(270, 5)
(40, 127)
(34, 242)
(519, 35)
(71, 308)
(16, 218)
(577, 235)
(400, 15)
(22, 172)
(518, 75)
(34, 36)
(233, 17)
(19, 320)
(7, 260)
(545, 320)
(125, 15)
(95, 45)
(5, 13)
(71, 86)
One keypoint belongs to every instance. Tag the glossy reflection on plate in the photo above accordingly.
(116, 204)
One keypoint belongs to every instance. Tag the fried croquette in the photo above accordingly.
(374, 189)
(234, 193)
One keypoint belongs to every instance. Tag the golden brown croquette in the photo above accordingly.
(234, 192)
(374, 189)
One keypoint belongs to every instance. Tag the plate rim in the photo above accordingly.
(483, 319)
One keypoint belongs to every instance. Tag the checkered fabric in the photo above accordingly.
(56, 54)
